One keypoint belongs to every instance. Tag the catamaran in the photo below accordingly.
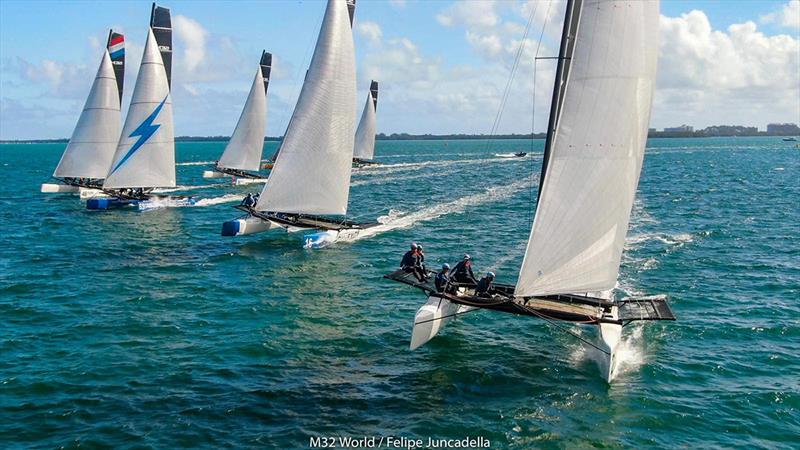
(145, 155)
(86, 160)
(309, 186)
(364, 151)
(243, 152)
(592, 161)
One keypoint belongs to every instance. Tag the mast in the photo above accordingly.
(94, 139)
(571, 19)
(246, 145)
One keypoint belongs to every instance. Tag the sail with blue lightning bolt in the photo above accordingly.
(145, 155)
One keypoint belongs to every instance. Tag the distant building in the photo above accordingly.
(730, 130)
(784, 129)
(651, 130)
(681, 129)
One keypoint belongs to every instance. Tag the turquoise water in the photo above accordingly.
(149, 330)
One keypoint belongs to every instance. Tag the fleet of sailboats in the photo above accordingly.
(85, 162)
(594, 149)
(593, 157)
(242, 155)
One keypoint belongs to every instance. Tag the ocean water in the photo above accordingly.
(134, 329)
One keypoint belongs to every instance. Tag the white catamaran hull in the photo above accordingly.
(431, 318)
(87, 193)
(247, 225)
(610, 336)
(324, 238)
(53, 188)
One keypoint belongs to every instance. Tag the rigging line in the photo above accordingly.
(510, 81)
(533, 104)
(575, 335)
(447, 316)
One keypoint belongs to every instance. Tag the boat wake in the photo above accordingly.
(383, 168)
(396, 220)
(189, 188)
(382, 180)
(195, 163)
(227, 198)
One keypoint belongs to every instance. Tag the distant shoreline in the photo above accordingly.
(427, 137)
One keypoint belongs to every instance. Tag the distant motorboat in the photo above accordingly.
(511, 155)
(790, 139)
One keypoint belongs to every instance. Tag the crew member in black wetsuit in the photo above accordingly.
(421, 259)
(411, 263)
(462, 272)
(485, 288)
(442, 278)
(248, 201)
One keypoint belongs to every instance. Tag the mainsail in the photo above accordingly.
(243, 151)
(145, 155)
(161, 24)
(92, 145)
(312, 171)
(365, 135)
(596, 150)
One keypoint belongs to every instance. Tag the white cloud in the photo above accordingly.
(788, 16)
(470, 14)
(371, 30)
(736, 76)
(398, 3)
(193, 37)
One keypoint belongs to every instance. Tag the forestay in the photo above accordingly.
(312, 171)
(596, 156)
(243, 151)
(365, 135)
(145, 155)
(92, 145)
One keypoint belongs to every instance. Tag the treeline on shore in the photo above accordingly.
(436, 137)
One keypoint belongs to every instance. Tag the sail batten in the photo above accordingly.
(246, 145)
(365, 134)
(312, 172)
(94, 139)
(593, 166)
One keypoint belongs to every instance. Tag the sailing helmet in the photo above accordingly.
(445, 266)
(466, 256)
(490, 275)
(413, 246)
(419, 247)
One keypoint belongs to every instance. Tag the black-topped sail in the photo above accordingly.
(373, 88)
(565, 52)
(116, 50)
(266, 68)
(161, 24)
(351, 9)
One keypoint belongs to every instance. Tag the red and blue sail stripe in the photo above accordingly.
(116, 47)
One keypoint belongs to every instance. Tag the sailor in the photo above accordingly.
(255, 198)
(410, 263)
(421, 258)
(462, 272)
(443, 278)
(248, 201)
(485, 288)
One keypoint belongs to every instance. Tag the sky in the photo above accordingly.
(442, 65)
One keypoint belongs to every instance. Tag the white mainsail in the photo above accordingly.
(312, 171)
(596, 153)
(145, 155)
(243, 151)
(365, 134)
(92, 145)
